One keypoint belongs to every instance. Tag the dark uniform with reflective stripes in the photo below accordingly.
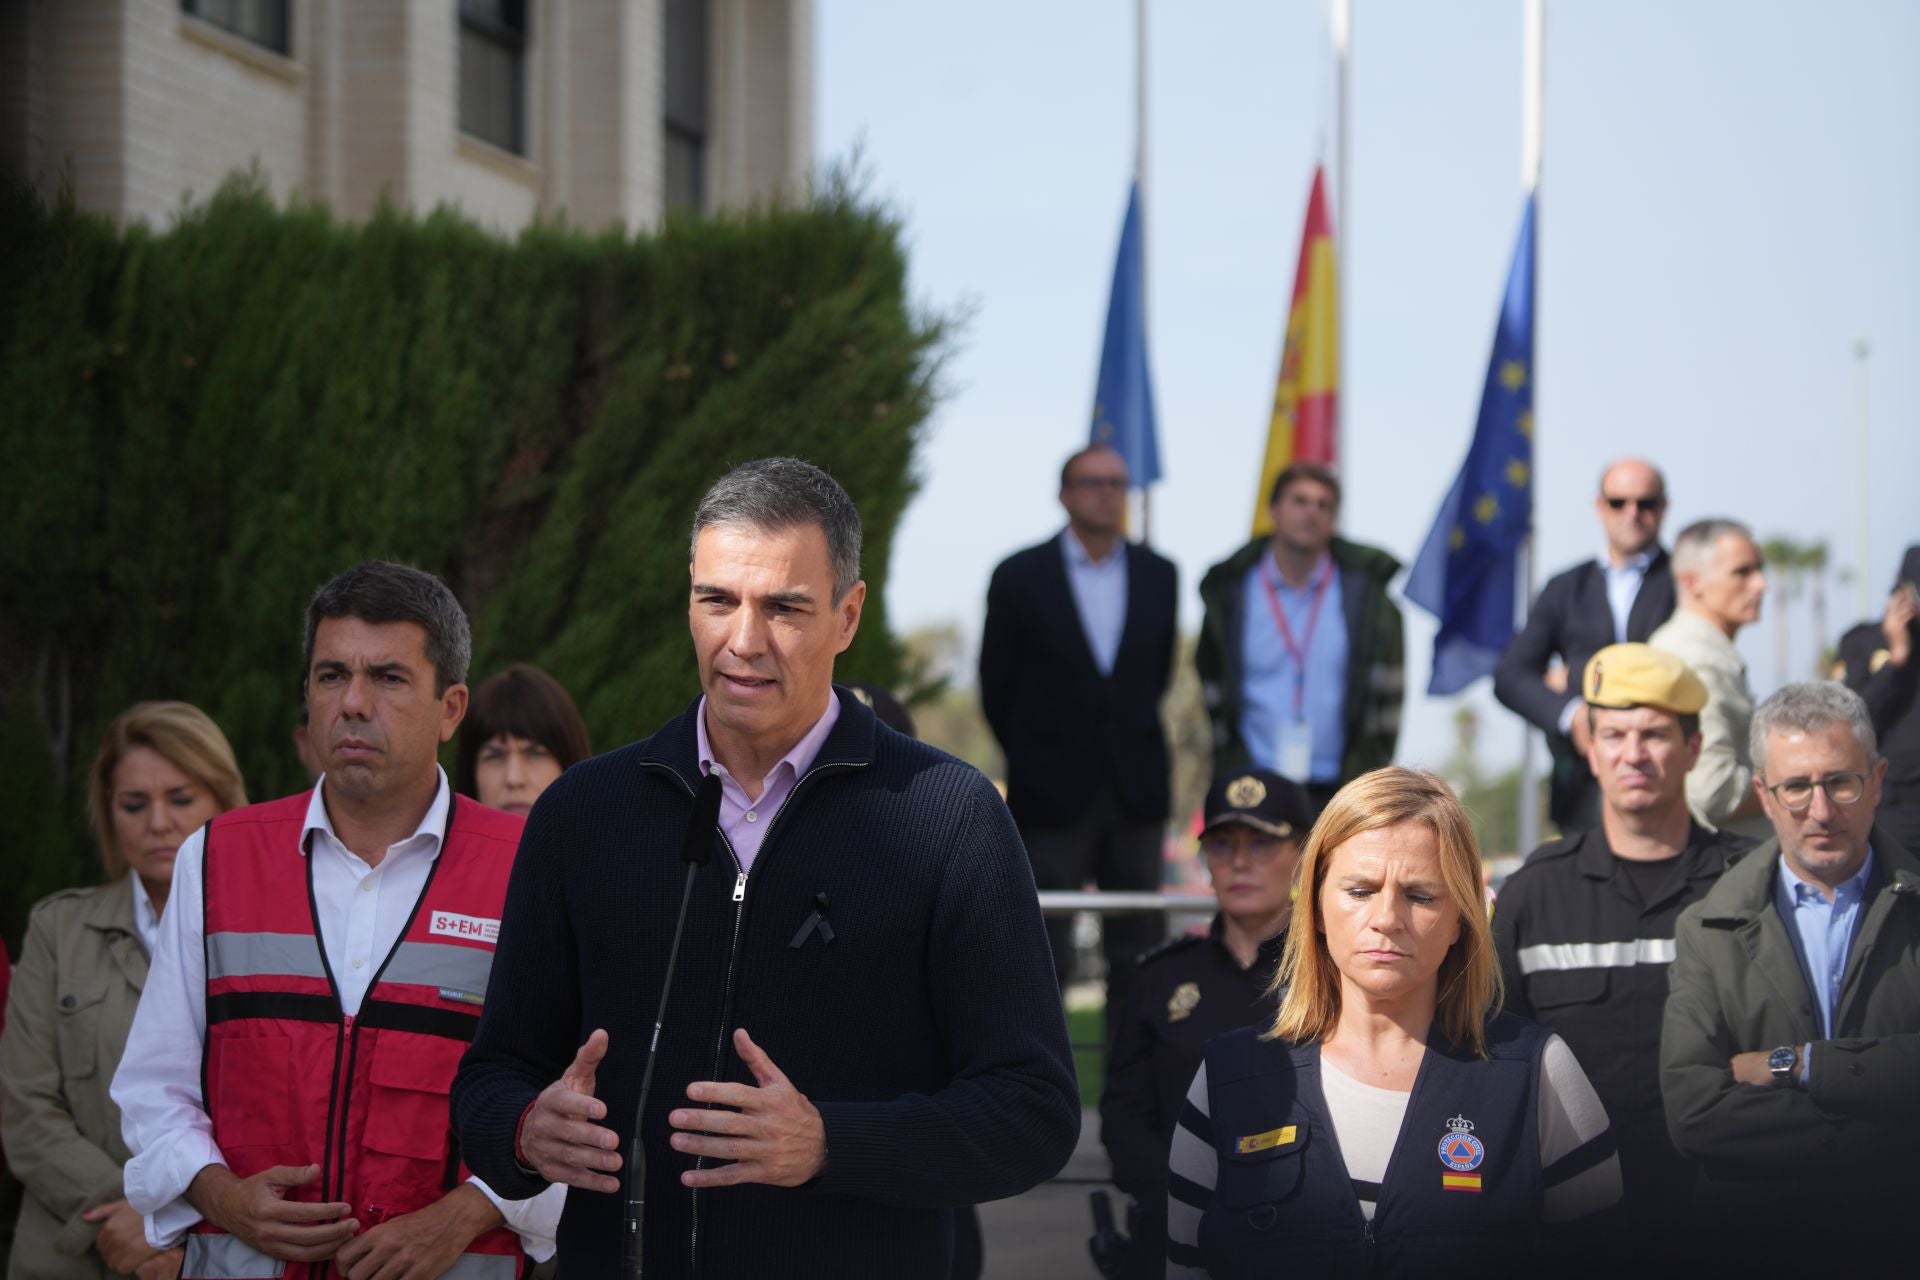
(1584, 940)
(1185, 992)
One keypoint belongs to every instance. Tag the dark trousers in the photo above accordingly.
(1116, 852)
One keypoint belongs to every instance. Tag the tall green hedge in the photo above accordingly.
(200, 425)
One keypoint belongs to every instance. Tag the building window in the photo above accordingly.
(686, 106)
(493, 72)
(264, 22)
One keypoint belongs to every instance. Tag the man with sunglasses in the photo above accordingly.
(1074, 659)
(1621, 596)
(1790, 1048)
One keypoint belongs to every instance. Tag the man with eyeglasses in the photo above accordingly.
(1723, 582)
(1790, 1050)
(1197, 987)
(1584, 930)
(1076, 654)
(1621, 596)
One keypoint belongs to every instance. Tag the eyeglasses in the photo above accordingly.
(1644, 505)
(1098, 482)
(1841, 788)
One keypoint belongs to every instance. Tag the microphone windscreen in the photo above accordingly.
(697, 848)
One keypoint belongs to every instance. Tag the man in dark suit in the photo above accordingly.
(1076, 655)
(1583, 610)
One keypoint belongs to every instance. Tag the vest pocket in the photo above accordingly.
(410, 1076)
(250, 1089)
(1251, 1181)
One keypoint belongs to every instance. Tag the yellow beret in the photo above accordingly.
(1639, 675)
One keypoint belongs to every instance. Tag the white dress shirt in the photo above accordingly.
(1623, 588)
(1099, 596)
(146, 921)
(363, 911)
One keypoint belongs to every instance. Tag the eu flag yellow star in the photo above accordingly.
(1486, 508)
(1458, 538)
(1513, 375)
(1517, 473)
(1526, 424)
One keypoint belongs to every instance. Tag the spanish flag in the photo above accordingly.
(1306, 403)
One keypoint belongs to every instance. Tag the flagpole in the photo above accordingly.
(1140, 181)
(1533, 121)
(1342, 25)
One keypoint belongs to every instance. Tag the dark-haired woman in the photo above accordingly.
(521, 732)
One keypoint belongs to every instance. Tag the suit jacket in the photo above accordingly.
(81, 972)
(1572, 620)
(1066, 729)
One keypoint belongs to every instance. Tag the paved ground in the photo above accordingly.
(1042, 1235)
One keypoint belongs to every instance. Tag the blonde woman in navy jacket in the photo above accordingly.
(1391, 1121)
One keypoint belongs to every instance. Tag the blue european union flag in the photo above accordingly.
(1468, 571)
(1123, 397)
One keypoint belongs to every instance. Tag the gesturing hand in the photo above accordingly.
(256, 1209)
(776, 1136)
(558, 1138)
(1897, 625)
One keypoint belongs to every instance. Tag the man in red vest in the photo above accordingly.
(321, 967)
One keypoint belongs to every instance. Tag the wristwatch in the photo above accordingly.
(1784, 1062)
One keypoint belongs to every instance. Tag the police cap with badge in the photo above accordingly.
(1623, 676)
(1260, 799)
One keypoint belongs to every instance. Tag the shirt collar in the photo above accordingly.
(1634, 564)
(1077, 552)
(799, 759)
(1798, 891)
(146, 921)
(432, 826)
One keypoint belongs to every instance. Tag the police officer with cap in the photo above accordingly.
(1194, 987)
(1584, 931)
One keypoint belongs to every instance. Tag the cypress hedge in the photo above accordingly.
(204, 423)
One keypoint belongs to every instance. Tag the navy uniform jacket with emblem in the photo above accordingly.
(1185, 992)
(1581, 952)
(1573, 621)
(1285, 1205)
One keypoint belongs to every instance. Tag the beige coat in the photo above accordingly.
(68, 1010)
(1724, 775)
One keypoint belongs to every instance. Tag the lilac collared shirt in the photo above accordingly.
(744, 822)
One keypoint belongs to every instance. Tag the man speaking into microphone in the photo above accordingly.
(861, 1030)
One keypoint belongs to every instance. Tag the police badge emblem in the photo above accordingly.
(1246, 792)
(1183, 1001)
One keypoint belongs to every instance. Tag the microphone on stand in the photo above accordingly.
(696, 848)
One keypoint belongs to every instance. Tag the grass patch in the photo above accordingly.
(1087, 1026)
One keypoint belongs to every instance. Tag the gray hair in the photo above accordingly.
(776, 494)
(1695, 548)
(382, 591)
(1808, 707)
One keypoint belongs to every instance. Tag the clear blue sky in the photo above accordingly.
(1731, 199)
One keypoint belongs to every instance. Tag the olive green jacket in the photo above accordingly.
(68, 1011)
(1736, 986)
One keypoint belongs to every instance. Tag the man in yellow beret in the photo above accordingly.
(1584, 931)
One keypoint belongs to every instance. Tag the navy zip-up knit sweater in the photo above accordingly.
(928, 1031)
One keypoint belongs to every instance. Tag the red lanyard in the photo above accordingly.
(1297, 650)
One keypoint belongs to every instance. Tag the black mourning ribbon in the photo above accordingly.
(815, 923)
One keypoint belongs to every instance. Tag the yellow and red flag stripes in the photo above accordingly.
(1306, 402)
(1459, 1182)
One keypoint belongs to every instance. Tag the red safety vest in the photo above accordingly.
(291, 1080)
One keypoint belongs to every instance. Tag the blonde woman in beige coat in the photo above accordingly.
(163, 769)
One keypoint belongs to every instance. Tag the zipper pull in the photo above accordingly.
(740, 887)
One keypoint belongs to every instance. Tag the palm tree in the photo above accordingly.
(1785, 558)
(1824, 643)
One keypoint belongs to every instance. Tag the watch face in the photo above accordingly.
(1781, 1059)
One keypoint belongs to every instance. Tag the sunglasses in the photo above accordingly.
(1646, 505)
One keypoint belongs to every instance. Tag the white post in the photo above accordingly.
(1862, 589)
(1340, 23)
(1140, 180)
(1532, 136)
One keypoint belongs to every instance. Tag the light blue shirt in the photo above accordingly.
(1822, 931)
(1272, 679)
(1623, 588)
(1099, 596)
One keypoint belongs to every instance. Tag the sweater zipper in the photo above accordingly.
(733, 955)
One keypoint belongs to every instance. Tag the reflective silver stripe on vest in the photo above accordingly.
(482, 1266)
(436, 964)
(223, 1257)
(244, 955)
(1557, 956)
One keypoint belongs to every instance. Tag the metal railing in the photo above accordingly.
(1066, 902)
